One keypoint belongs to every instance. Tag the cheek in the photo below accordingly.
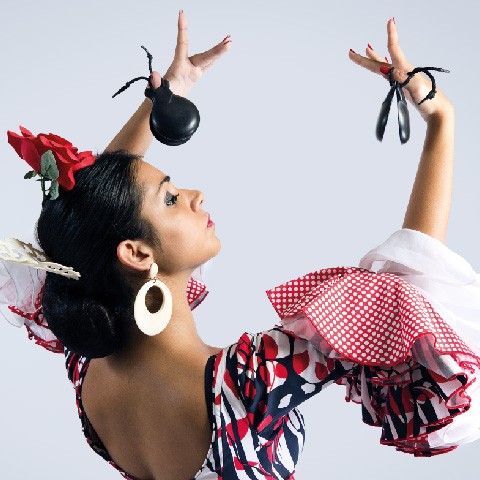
(181, 242)
(177, 231)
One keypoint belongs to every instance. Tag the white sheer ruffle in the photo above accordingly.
(20, 302)
(445, 278)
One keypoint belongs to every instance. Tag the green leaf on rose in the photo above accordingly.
(30, 174)
(48, 166)
(53, 191)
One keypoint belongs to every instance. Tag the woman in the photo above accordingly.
(142, 404)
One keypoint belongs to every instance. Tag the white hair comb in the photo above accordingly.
(14, 250)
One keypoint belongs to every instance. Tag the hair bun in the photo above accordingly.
(83, 324)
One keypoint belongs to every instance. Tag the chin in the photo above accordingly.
(217, 249)
(214, 251)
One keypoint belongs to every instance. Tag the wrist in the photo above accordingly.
(443, 114)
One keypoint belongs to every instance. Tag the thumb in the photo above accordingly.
(156, 79)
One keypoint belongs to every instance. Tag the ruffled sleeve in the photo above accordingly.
(452, 287)
(276, 371)
(416, 355)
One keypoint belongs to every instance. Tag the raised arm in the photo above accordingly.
(135, 136)
(428, 209)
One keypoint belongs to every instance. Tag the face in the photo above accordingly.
(179, 221)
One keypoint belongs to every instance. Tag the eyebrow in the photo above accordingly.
(165, 180)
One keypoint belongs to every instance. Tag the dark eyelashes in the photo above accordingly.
(171, 199)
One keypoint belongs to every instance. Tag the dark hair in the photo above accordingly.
(82, 229)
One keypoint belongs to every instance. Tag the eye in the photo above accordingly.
(171, 199)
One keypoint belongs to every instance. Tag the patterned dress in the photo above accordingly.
(403, 342)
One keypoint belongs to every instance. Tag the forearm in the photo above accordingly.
(135, 136)
(428, 209)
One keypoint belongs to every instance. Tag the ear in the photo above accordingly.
(135, 254)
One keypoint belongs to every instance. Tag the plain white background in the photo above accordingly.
(286, 156)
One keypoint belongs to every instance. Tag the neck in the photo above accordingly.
(180, 336)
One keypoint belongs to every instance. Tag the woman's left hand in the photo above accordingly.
(185, 71)
(418, 87)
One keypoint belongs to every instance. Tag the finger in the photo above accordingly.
(371, 53)
(207, 59)
(374, 66)
(396, 53)
(181, 50)
(374, 56)
(156, 79)
(369, 63)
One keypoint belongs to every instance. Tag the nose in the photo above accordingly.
(197, 200)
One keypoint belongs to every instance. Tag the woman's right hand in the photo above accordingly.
(419, 85)
(185, 71)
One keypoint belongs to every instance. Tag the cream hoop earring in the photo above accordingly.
(152, 323)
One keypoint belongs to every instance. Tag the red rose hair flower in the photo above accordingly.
(67, 157)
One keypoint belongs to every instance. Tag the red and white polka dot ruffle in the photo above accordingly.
(413, 330)
(367, 317)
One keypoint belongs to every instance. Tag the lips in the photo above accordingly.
(210, 223)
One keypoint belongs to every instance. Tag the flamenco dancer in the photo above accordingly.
(114, 283)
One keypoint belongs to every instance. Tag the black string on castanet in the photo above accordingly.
(425, 70)
(150, 58)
